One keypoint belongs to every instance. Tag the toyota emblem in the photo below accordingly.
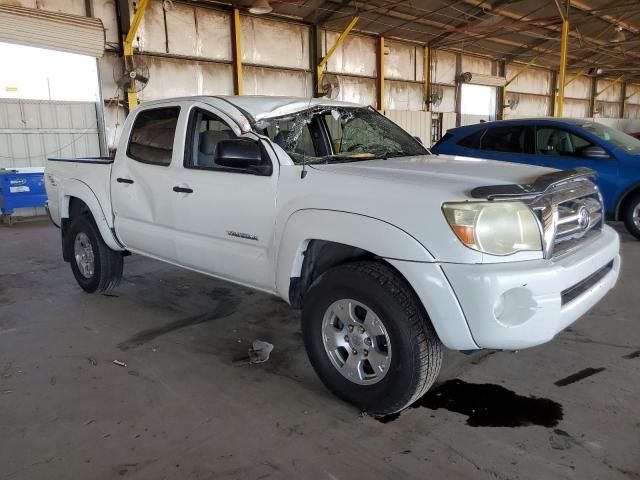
(584, 218)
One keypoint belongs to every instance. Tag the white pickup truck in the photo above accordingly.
(389, 251)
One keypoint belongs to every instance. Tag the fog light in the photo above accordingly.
(515, 307)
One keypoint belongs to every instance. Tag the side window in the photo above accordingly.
(207, 131)
(152, 136)
(473, 140)
(509, 139)
(555, 141)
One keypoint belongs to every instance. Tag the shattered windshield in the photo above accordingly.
(337, 134)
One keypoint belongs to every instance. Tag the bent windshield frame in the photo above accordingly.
(332, 134)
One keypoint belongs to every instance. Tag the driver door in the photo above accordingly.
(224, 217)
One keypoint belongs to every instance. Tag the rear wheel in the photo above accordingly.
(369, 338)
(631, 215)
(95, 266)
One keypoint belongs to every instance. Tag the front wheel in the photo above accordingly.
(631, 215)
(368, 337)
(95, 266)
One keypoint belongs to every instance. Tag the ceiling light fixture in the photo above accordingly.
(260, 7)
(619, 36)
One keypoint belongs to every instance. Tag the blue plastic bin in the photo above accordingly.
(20, 188)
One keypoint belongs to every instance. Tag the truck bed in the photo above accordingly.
(72, 174)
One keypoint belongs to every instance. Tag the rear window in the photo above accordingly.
(504, 139)
(152, 136)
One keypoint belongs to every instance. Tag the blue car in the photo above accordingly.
(561, 144)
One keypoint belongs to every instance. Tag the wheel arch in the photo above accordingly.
(626, 195)
(79, 199)
(312, 241)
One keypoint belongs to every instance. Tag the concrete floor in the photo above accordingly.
(187, 406)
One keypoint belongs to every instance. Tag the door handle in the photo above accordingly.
(182, 189)
(124, 180)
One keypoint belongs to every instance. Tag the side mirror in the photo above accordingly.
(242, 154)
(594, 151)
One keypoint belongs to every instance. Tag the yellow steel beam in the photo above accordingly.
(380, 69)
(132, 96)
(427, 77)
(559, 103)
(236, 49)
(575, 76)
(325, 59)
(621, 77)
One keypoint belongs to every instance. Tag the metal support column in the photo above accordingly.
(427, 78)
(380, 73)
(559, 105)
(458, 102)
(325, 59)
(236, 52)
(132, 95)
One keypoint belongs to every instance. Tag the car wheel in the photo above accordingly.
(95, 266)
(631, 215)
(368, 337)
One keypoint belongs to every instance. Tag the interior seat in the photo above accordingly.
(207, 146)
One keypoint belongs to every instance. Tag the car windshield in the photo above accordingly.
(339, 134)
(616, 137)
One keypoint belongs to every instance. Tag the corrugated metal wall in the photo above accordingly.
(32, 130)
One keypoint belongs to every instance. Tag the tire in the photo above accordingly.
(411, 363)
(106, 271)
(631, 206)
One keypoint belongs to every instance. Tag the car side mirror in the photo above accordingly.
(594, 151)
(242, 154)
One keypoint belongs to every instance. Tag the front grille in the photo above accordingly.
(569, 214)
(579, 288)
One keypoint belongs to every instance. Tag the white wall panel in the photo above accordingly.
(268, 81)
(417, 124)
(356, 56)
(31, 131)
(448, 103)
(443, 65)
(105, 10)
(609, 109)
(576, 108)
(402, 61)
(633, 93)
(613, 92)
(151, 35)
(529, 105)
(357, 90)
(529, 81)
(578, 88)
(177, 78)
(476, 65)
(403, 95)
(198, 32)
(274, 43)
(76, 7)
(632, 112)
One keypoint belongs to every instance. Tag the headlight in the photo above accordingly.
(497, 228)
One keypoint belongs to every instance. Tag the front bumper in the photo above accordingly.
(514, 305)
(519, 305)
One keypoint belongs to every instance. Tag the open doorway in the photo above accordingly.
(478, 102)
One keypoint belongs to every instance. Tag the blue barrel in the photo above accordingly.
(20, 188)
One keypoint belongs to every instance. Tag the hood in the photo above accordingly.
(453, 173)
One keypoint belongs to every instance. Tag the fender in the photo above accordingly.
(376, 236)
(80, 190)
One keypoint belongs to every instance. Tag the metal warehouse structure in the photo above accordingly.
(406, 58)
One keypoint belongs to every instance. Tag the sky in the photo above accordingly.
(40, 74)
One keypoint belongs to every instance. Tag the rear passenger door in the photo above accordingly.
(510, 143)
(224, 217)
(141, 182)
